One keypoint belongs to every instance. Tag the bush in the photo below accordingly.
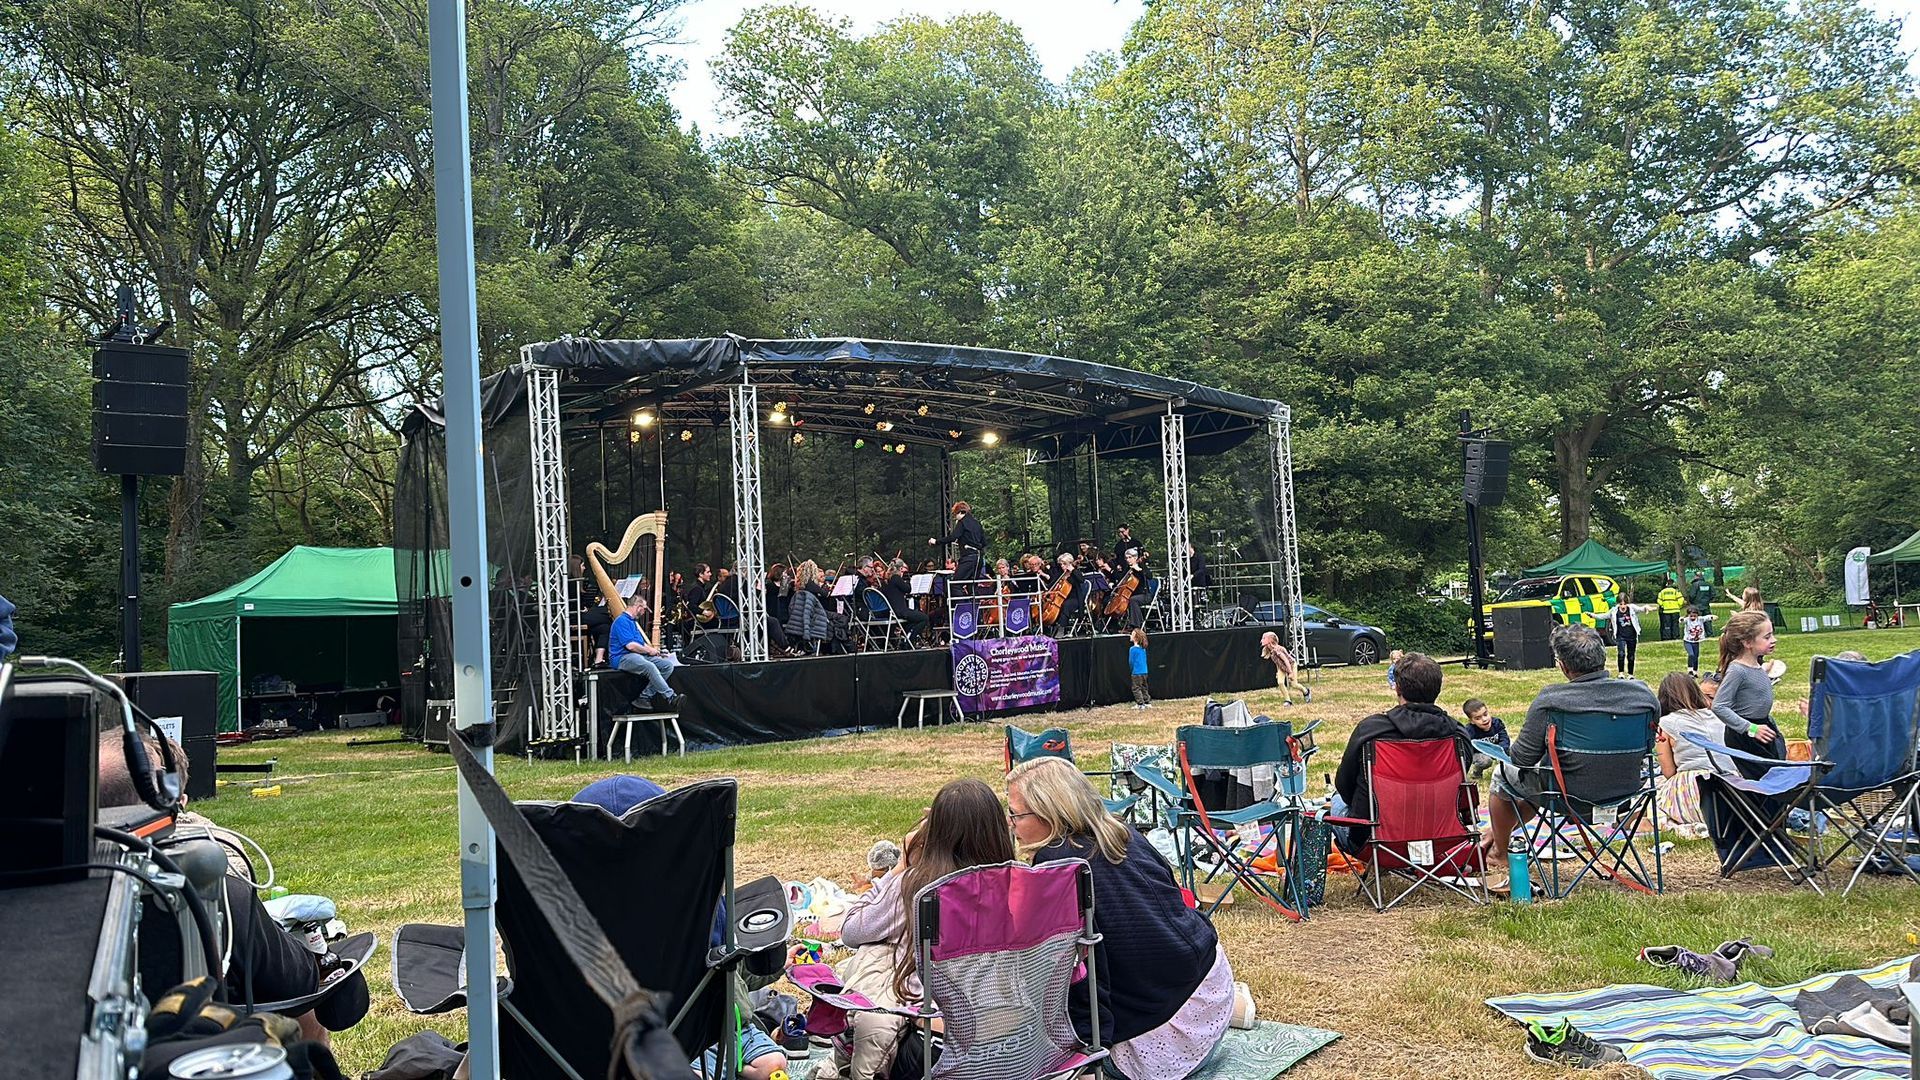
(1411, 622)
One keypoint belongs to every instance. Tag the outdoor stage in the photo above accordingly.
(732, 704)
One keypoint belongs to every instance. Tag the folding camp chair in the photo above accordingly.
(879, 622)
(1151, 616)
(1425, 824)
(1084, 617)
(651, 879)
(1196, 827)
(999, 949)
(1022, 745)
(1604, 821)
(1861, 791)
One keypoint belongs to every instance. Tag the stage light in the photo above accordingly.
(643, 419)
(989, 438)
(633, 436)
(884, 425)
(953, 433)
(869, 409)
(776, 417)
(886, 448)
(900, 449)
(798, 438)
(922, 410)
(686, 434)
(779, 406)
(859, 444)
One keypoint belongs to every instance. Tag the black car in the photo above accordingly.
(1334, 640)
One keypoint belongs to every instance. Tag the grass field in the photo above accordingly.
(374, 827)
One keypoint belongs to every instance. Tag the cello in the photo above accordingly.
(1123, 592)
(1056, 599)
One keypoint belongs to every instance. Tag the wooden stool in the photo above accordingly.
(667, 721)
(924, 696)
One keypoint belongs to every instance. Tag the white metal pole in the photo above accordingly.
(466, 507)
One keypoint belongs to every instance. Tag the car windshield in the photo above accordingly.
(1313, 614)
(1537, 589)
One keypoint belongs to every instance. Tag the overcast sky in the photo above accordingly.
(1062, 33)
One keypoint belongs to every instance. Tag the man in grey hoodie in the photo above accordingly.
(1582, 658)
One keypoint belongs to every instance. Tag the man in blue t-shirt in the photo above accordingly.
(628, 646)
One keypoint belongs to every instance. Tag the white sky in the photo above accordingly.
(1062, 32)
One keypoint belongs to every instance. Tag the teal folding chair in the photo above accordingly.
(1022, 745)
(1197, 828)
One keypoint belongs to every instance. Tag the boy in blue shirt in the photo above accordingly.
(1482, 724)
(1137, 663)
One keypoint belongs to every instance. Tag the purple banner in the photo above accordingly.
(993, 674)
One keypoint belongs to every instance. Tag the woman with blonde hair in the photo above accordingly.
(1167, 992)
(1744, 701)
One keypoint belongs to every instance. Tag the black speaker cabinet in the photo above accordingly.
(1521, 637)
(139, 409)
(49, 776)
(1486, 471)
(191, 697)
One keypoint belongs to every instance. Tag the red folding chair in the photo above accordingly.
(1425, 827)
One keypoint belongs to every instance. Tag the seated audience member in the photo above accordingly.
(1416, 684)
(1166, 990)
(631, 651)
(1745, 700)
(964, 826)
(760, 1056)
(1582, 658)
(261, 956)
(1482, 724)
(1684, 711)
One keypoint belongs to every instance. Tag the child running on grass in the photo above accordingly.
(1285, 671)
(1137, 661)
(1692, 635)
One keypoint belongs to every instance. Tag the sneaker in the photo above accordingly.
(1739, 950)
(1713, 965)
(1560, 1043)
(1243, 1010)
(1306, 694)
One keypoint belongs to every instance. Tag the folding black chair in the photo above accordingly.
(1599, 824)
(651, 879)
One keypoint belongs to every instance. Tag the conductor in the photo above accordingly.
(972, 540)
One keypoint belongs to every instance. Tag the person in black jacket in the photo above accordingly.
(1166, 989)
(1417, 684)
(972, 541)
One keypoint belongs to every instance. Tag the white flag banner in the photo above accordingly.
(1857, 575)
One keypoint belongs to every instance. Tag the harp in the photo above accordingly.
(598, 557)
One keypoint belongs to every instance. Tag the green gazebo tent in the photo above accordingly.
(321, 618)
(1593, 557)
(1907, 550)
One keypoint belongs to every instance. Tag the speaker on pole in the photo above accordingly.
(139, 409)
(1486, 471)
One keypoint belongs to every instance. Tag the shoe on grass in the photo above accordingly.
(1740, 950)
(1700, 965)
(1560, 1043)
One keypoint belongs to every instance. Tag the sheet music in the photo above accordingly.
(627, 585)
(921, 584)
(843, 585)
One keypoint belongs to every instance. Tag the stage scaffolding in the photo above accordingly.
(941, 397)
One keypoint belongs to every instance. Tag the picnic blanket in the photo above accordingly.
(1261, 1053)
(1743, 1032)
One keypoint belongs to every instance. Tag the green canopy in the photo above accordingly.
(1907, 550)
(1593, 557)
(306, 582)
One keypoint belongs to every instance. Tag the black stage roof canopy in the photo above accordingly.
(948, 396)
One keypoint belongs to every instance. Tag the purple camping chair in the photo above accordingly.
(998, 948)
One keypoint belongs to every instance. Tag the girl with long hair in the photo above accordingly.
(1683, 711)
(1167, 992)
(964, 826)
(1744, 702)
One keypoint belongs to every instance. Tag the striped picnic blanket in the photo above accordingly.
(1743, 1032)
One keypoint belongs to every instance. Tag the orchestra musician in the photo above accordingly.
(894, 585)
(1075, 602)
(972, 541)
(1124, 543)
(1136, 568)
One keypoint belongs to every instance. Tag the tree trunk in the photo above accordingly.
(1573, 463)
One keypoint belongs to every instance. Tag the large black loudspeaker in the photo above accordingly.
(1486, 471)
(1520, 637)
(139, 409)
(48, 776)
(191, 697)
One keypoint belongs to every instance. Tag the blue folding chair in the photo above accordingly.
(1597, 824)
(1194, 825)
(1862, 788)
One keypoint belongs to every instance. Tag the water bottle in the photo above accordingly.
(1520, 884)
